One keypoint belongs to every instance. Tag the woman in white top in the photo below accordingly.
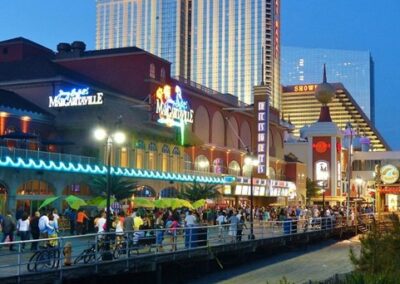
(23, 228)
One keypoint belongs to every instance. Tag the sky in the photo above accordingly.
(338, 24)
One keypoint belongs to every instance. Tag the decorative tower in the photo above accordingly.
(324, 139)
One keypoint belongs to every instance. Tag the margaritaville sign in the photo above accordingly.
(171, 109)
(76, 97)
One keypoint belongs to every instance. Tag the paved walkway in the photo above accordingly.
(317, 262)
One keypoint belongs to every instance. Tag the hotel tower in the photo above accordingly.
(224, 45)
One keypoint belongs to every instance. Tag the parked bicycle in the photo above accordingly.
(92, 253)
(44, 259)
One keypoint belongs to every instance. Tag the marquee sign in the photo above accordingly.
(172, 109)
(75, 97)
(389, 174)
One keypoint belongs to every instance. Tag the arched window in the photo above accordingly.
(35, 187)
(152, 72)
(162, 74)
(247, 170)
(77, 189)
(187, 162)
(123, 157)
(202, 164)
(165, 158)
(218, 166)
(176, 151)
(144, 191)
(140, 147)
(152, 156)
(169, 192)
(234, 168)
(175, 159)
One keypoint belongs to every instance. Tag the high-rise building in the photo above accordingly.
(215, 43)
(355, 69)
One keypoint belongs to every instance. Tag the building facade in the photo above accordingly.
(354, 69)
(228, 46)
(300, 106)
(178, 131)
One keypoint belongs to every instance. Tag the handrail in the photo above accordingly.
(134, 244)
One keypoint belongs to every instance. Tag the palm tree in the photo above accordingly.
(120, 187)
(197, 191)
(312, 189)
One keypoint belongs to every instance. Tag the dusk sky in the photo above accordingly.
(339, 24)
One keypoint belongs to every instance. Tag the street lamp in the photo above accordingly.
(252, 161)
(118, 137)
(349, 133)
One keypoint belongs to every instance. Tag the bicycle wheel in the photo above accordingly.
(81, 257)
(90, 255)
(32, 262)
(47, 259)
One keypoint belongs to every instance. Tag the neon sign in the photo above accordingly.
(172, 109)
(75, 97)
(261, 135)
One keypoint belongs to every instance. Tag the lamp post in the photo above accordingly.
(252, 161)
(118, 137)
(349, 133)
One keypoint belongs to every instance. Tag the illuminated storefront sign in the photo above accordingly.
(389, 174)
(321, 171)
(261, 136)
(304, 88)
(75, 97)
(172, 109)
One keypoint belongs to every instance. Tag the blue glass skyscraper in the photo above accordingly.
(355, 69)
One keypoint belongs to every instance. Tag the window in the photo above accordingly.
(162, 75)
(234, 168)
(152, 72)
(202, 164)
(123, 158)
(5, 50)
(152, 156)
(35, 187)
(165, 158)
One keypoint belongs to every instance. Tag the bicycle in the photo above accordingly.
(45, 259)
(90, 254)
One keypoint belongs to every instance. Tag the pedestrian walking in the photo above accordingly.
(81, 220)
(34, 229)
(23, 228)
(8, 225)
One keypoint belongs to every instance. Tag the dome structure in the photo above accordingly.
(324, 91)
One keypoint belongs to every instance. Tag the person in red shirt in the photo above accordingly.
(81, 220)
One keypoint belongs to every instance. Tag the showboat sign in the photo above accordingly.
(75, 97)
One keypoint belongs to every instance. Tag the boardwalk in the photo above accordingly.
(14, 264)
(316, 262)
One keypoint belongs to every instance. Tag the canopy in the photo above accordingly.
(48, 201)
(172, 203)
(199, 203)
(142, 202)
(75, 202)
(101, 202)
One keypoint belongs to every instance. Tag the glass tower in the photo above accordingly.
(157, 26)
(226, 45)
(355, 69)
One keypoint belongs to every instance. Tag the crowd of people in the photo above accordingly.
(230, 222)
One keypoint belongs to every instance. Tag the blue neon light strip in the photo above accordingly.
(101, 170)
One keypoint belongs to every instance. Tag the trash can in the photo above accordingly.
(287, 226)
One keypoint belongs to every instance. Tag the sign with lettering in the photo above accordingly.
(261, 135)
(172, 109)
(75, 97)
(321, 171)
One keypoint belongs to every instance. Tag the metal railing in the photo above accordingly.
(26, 154)
(91, 250)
